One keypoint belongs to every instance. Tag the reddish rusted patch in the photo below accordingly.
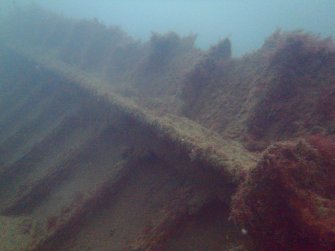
(155, 235)
(52, 223)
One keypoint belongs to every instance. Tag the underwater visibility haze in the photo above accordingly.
(167, 125)
(246, 22)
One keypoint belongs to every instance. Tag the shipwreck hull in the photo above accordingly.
(111, 144)
(85, 169)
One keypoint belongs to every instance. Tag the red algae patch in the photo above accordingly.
(288, 201)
